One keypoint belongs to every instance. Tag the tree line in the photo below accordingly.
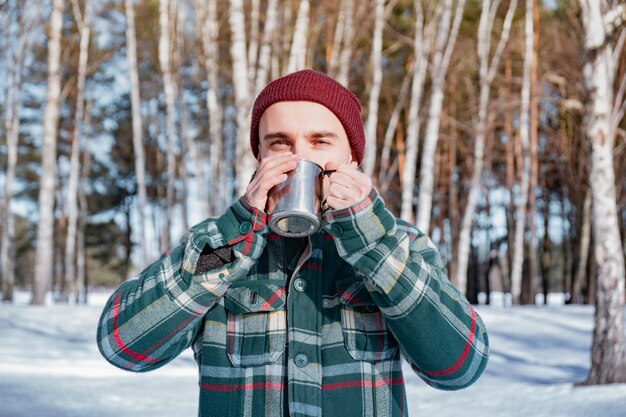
(497, 127)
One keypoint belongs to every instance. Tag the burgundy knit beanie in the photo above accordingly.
(308, 85)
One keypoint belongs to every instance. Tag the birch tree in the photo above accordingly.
(263, 65)
(207, 12)
(170, 87)
(138, 150)
(19, 34)
(238, 52)
(83, 21)
(377, 78)
(81, 256)
(297, 56)
(42, 279)
(524, 135)
(602, 20)
(341, 52)
(487, 71)
(443, 47)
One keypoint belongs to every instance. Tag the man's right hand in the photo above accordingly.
(271, 172)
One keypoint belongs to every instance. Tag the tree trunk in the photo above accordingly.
(345, 56)
(377, 77)
(298, 45)
(266, 45)
(488, 69)
(238, 52)
(84, 25)
(253, 46)
(138, 150)
(444, 45)
(15, 64)
(583, 251)
(608, 361)
(81, 256)
(384, 174)
(520, 226)
(546, 251)
(420, 65)
(45, 228)
(207, 10)
(169, 85)
(531, 287)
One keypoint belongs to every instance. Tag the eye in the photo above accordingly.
(278, 143)
(322, 142)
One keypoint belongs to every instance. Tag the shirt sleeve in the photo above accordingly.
(439, 332)
(152, 318)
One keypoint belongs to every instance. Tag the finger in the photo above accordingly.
(350, 170)
(344, 193)
(334, 203)
(342, 179)
(276, 160)
(278, 167)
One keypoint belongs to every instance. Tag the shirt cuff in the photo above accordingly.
(361, 226)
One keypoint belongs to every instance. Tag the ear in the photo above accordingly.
(352, 161)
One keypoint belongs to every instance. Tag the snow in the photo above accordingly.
(51, 367)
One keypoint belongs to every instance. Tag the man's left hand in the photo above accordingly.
(347, 186)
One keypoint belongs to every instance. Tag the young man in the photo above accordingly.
(301, 327)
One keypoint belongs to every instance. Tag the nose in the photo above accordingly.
(299, 148)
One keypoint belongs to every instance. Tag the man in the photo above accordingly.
(301, 327)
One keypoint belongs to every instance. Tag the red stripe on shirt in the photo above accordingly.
(118, 339)
(360, 384)
(266, 305)
(464, 354)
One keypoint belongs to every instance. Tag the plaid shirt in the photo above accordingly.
(324, 337)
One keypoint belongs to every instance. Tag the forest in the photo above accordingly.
(496, 127)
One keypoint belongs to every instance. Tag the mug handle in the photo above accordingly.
(325, 172)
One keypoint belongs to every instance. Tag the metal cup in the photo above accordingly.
(294, 206)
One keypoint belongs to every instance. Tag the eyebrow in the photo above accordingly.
(309, 135)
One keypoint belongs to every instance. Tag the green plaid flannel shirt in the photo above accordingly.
(325, 339)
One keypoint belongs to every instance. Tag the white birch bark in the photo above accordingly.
(608, 361)
(384, 173)
(42, 279)
(81, 256)
(14, 65)
(207, 10)
(377, 77)
(169, 85)
(138, 150)
(297, 56)
(253, 45)
(421, 49)
(238, 52)
(524, 135)
(444, 45)
(84, 25)
(333, 59)
(488, 68)
(263, 66)
(345, 56)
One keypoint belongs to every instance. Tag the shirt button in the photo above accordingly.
(245, 227)
(336, 230)
(301, 360)
(299, 284)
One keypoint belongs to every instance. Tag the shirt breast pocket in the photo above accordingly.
(256, 323)
(365, 333)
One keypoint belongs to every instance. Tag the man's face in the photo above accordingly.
(304, 128)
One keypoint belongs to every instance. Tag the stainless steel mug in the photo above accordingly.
(295, 208)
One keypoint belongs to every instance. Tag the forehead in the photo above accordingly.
(303, 115)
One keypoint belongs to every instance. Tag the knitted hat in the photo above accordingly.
(308, 85)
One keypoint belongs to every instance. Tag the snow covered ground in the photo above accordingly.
(50, 367)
